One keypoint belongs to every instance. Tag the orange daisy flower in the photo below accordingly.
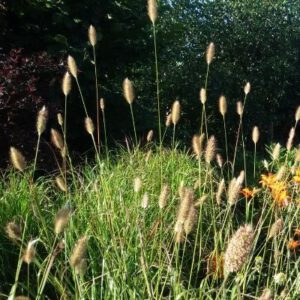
(293, 245)
(248, 193)
(281, 197)
(267, 180)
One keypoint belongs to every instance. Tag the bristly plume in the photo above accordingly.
(266, 295)
(62, 219)
(42, 119)
(238, 249)
(239, 108)
(128, 90)
(297, 114)
(289, 143)
(13, 231)
(145, 201)
(163, 197)
(92, 34)
(168, 120)
(190, 220)
(60, 119)
(276, 152)
(150, 136)
(197, 143)
(210, 150)
(219, 160)
(66, 84)
(247, 88)
(220, 190)
(203, 95)
(30, 251)
(176, 110)
(57, 139)
(72, 66)
(79, 253)
(210, 53)
(60, 182)
(89, 125)
(137, 184)
(255, 134)
(102, 104)
(17, 159)
(222, 105)
(275, 228)
(233, 191)
(152, 10)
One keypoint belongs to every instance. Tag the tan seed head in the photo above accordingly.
(92, 34)
(60, 182)
(42, 119)
(297, 114)
(72, 66)
(203, 95)
(275, 228)
(150, 136)
(289, 143)
(102, 104)
(247, 88)
(276, 152)
(30, 252)
(13, 231)
(222, 105)
(220, 191)
(67, 83)
(210, 150)
(163, 197)
(210, 53)
(239, 108)
(168, 120)
(17, 159)
(62, 219)
(89, 125)
(60, 119)
(79, 252)
(57, 139)
(128, 90)
(152, 10)
(176, 110)
(255, 134)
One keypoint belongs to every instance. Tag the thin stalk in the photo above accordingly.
(226, 145)
(82, 99)
(36, 152)
(157, 83)
(173, 138)
(105, 133)
(97, 99)
(254, 163)
(133, 124)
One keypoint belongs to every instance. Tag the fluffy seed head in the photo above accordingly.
(266, 295)
(79, 252)
(239, 108)
(57, 139)
(137, 185)
(176, 110)
(145, 201)
(62, 219)
(13, 231)
(128, 90)
(163, 197)
(220, 190)
(289, 143)
(148, 155)
(255, 134)
(197, 143)
(190, 220)
(238, 249)
(152, 10)
(281, 172)
(247, 88)
(60, 119)
(297, 114)
(276, 152)
(67, 83)
(42, 119)
(210, 53)
(219, 160)
(92, 34)
(60, 182)
(210, 150)
(233, 191)
(102, 104)
(275, 228)
(81, 267)
(185, 205)
(168, 120)
(72, 66)
(17, 159)
(222, 105)
(150, 136)
(203, 95)
(89, 125)
(241, 177)
(30, 252)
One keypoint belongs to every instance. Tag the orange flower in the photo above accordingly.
(297, 176)
(267, 180)
(293, 245)
(297, 232)
(281, 197)
(248, 193)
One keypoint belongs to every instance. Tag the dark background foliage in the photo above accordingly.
(256, 41)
